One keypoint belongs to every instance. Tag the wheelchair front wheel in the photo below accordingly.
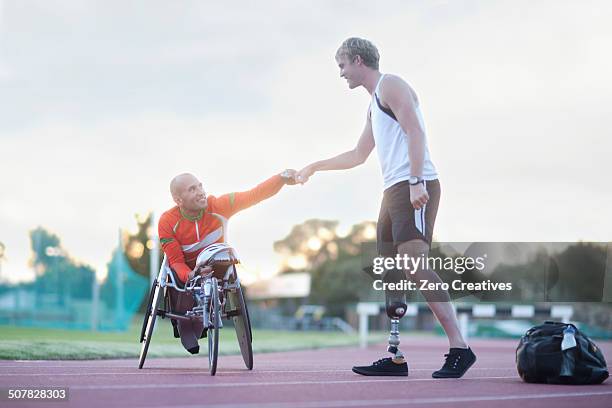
(148, 324)
(213, 332)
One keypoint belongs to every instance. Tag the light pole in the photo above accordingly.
(55, 253)
(2, 248)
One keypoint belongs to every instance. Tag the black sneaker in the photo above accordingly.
(384, 366)
(458, 360)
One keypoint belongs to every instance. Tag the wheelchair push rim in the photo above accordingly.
(149, 323)
(213, 332)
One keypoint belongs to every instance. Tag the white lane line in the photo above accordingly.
(269, 383)
(63, 366)
(82, 374)
(401, 402)
(204, 371)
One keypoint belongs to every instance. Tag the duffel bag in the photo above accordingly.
(558, 353)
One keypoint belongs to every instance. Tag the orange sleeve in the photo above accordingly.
(172, 249)
(230, 204)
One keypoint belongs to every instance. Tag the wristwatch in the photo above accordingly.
(414, 180)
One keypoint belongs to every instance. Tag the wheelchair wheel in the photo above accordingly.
(213, 332)
(148, 311)
(149, 322)
(242, 324)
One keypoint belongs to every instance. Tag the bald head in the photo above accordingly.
(187, 192)
(180, 182)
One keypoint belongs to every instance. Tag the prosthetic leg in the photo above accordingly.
(395, 311)
(395, 301)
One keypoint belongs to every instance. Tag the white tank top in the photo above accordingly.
(392, 143)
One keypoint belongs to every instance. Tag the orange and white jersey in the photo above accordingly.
(183, 237)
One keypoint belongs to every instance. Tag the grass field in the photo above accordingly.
(27, 343)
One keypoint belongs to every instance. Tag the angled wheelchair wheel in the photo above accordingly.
(242, 324)
(148, 311)
(213, 332)
(149, 322)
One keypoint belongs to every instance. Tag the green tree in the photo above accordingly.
(333, 261)
(55, 271)
(138, 246)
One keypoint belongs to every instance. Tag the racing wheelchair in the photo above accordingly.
(217, 295)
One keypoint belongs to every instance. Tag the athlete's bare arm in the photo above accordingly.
(346, 160)
(397, 95)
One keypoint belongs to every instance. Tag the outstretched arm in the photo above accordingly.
(346, 160)
(231, 203)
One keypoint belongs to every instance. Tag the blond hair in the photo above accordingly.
(351, 47)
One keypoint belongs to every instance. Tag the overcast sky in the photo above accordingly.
(103, 102)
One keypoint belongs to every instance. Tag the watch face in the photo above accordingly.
(413, 180)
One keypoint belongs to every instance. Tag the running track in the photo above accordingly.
(309, 379)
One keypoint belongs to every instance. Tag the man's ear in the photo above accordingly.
(177, 200)
(358, 60)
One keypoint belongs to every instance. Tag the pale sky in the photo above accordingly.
(103, 102)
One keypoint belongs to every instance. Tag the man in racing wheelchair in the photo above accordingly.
(194, 224)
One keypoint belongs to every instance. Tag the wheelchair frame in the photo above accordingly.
(224, 301)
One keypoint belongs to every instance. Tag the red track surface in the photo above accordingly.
(319, 378)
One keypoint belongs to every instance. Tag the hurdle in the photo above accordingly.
(464, 312)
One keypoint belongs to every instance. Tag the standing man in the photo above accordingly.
(411, 193)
